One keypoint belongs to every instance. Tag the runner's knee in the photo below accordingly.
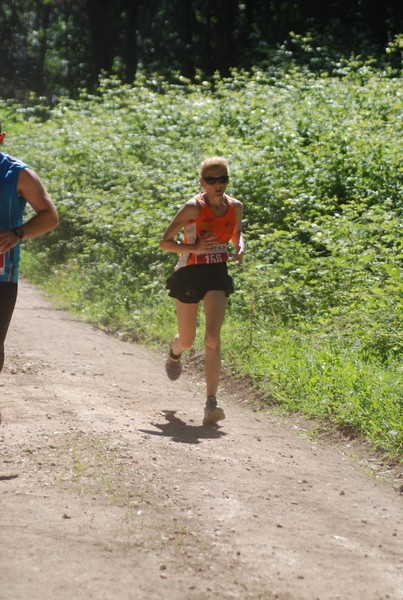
(186, 341)
(212, 341)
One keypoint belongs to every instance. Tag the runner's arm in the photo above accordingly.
(189, 212)
(31, 189)
(237, 237)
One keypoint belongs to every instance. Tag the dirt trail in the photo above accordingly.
(110, 487)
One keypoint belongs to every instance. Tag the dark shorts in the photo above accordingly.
(190, 284)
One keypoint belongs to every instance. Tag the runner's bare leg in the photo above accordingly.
(186, 317)
(215, 304)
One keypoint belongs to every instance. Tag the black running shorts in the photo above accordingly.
(190, 284)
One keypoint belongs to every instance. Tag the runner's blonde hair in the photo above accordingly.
(213, 161)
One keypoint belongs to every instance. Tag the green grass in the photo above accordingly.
(324, 379)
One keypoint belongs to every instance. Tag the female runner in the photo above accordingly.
(209, 221)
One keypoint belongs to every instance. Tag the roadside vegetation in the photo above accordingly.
(316, 320)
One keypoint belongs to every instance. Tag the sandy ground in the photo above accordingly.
(111, 488)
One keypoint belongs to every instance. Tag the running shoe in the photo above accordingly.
(212, 412)
(173, 366)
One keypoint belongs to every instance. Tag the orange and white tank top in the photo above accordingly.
(207, 223)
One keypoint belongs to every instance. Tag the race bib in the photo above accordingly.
(218, 254)
(2, 264)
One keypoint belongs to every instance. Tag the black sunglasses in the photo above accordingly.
(220, 179)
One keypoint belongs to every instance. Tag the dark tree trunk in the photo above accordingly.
(102, 42)
(129, 50)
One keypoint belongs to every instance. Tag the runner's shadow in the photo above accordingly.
(181, 432)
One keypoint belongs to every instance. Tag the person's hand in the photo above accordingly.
(238, 255)
(205, 244)
(8, 240)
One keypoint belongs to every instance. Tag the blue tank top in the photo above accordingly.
(11, 212)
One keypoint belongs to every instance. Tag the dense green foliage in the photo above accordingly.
(316, 320)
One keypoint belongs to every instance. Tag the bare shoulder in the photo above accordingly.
(191, 208)
(238, 207)
(28, 177)
(30, 184)
(31, 188)
(192, 202)
(235, 202)
(187, 212)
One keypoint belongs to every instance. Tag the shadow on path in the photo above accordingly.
(181, 432)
